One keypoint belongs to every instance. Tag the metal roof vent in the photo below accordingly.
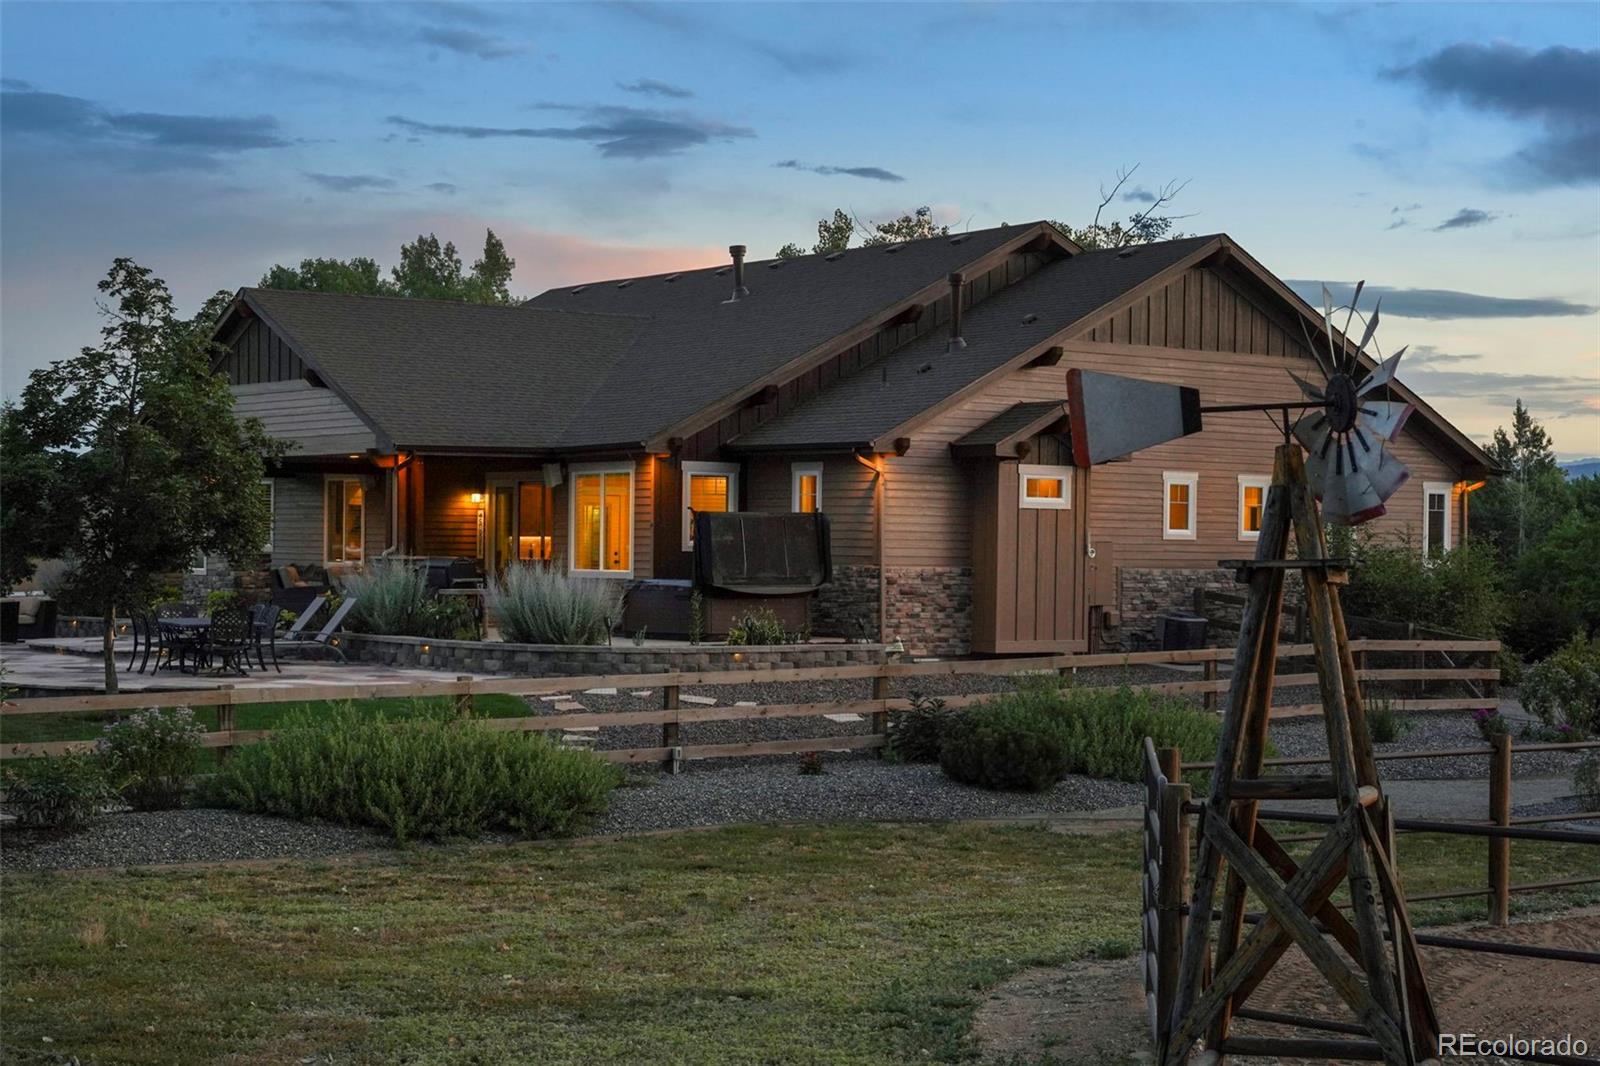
(831, 256)
(672, 277)
(740, 291)
(721, 271)
(958, 240)
(1029, 319)
(1126, 252)
(775, 264)
(956, 340)
(924, 368)
(624, 284)
(579, 289)
(893, 248)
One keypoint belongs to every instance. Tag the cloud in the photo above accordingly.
(1418, 355)
(1547, 395)
(1139, 195)
(349, 182)
(616, 132)
(141, 139)
(1466, 218)
(445, 187)
(15, 84)
(1443, 303)
(470, 42)
(652, 87)
(871, 173)
(792, 59)
(1557, 88)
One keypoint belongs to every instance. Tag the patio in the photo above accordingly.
(72, 664)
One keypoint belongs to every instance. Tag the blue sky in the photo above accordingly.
(1448, 153)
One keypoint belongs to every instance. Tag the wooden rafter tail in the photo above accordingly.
(1255, 620)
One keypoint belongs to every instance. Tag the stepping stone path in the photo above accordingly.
(704, 701)
(843, 717)
(643, 693)
(569, 705)
(599, 692)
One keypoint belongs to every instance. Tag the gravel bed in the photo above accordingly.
(770, 692)
(850, 790)
(1427, 731)
(1566, 805)
(199, 834)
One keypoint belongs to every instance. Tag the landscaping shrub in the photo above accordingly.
(431, 776)
(915, 734)
(392, 598)
(1030, 738)
(1012, 744)
(1384, 723)
(546, 605)
(1586, 776)
(1564, 689)
(1460, 591)
(149, 756)
(761, 625)
(58, 792)
(1491, 723)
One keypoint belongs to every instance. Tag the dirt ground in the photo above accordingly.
(1092, 1012)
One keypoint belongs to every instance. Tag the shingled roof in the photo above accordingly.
(610, 363)
(866, 407)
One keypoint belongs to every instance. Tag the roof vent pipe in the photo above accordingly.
(739, 289)
(956, 340)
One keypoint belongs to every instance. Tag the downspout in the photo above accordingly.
(879, 505)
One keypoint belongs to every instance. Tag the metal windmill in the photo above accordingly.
(1346, 432)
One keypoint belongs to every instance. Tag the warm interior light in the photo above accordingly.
(477, 497)
(1474, 487)
(355, 455)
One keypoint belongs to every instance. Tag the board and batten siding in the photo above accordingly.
(314, 421)
(257, 355)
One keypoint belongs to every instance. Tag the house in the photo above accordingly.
(912, 392)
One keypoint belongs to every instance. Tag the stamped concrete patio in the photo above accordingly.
(73, 664)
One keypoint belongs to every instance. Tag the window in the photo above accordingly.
(1044, 487)
(807, 494)
(1435, 519)
(344, 515)
(197, 563)
(709, 487)
(521, 521)
(1179, 493)
(602, 519)
(1252, 504)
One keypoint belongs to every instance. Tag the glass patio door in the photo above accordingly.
(521, 521)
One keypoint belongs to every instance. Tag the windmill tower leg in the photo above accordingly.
(1358, 849)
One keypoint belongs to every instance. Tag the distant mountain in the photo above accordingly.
(1581, 467)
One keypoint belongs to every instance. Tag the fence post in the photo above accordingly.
(226, 721)
(1500, 847)
(880, 718)
(669, 730)
(464, 699)
(1210, 674)
(1173, 894)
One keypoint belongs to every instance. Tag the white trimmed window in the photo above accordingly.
(1252, 504)
(1435, 519)
(600, 519)
(708, 487)
(1047, 488)
(344, 520)
(806, 492)
(1180, 498)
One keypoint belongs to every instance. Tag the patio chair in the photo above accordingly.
(228, 641)
(147, 638)
(322, 638)
(180, 646)
(305, 616)
(264, 634)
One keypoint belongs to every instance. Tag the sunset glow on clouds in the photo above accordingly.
(1447, 153)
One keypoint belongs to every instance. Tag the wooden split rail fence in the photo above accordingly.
(671, 715)
(1168, 835)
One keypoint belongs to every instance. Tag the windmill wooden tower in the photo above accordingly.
(1344, 476)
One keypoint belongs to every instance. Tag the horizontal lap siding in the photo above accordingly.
(1128, 500)
(644, 521)
(313, 421)
(450, 519)
(846, 500)
(296, 520)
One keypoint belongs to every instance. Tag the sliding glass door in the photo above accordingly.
(521, 521)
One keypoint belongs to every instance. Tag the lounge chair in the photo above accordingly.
(322, 638)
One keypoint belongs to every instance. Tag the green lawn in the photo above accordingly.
(838, 944)
(31, 728)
